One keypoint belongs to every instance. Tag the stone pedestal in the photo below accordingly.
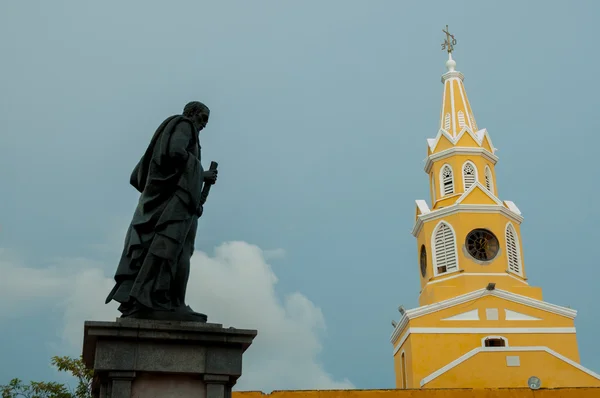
(161, 359)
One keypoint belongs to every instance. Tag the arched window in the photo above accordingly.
(461, 119)
(469, 175)
(445, 257)
(494, 341)
(447, 180)
(512, 249)
(447, 122)
(489, 182)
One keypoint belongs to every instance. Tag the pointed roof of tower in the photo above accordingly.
(456, 110)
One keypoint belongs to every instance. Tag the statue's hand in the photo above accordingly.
(210, 176)
(200, 210)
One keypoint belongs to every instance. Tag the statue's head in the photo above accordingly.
(198, 113)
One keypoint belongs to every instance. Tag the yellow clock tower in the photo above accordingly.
(480, 323)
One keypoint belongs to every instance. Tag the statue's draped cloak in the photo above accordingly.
(160, 238)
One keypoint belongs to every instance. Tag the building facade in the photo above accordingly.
(479, 324)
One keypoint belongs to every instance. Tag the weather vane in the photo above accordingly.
(450, 41)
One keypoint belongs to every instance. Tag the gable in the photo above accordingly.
(511, 367)
(487, 144)
(489, 312)
(478, 195)
(443, 143)
(430, 316)
(467, 139)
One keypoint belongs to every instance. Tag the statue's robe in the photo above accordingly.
(155, 263)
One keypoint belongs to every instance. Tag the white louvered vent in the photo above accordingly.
(447, 122)
(461, 119)
(488, 179)
(473, 123)
(447, 181)
(469, 175)
(445, 249)
(514, 261)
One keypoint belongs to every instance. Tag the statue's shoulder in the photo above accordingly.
(180, 122)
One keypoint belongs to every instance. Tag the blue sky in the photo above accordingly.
(319, 116)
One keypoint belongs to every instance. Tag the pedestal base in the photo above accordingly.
(162, 359)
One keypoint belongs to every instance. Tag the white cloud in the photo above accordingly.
(235, 287)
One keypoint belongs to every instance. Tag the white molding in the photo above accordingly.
(422, 206)
(401, 342)
(472, 315)
(452, 106)
(512, 206)
(483, 339)
(517, 316)
(442, 279)
(518, 249)
(443, 114)
(433, 249)
(477, 136)
(459, 150)
(484, 189)
(464, 208)
(452, 75)
(462, 169)
(464, 101)
(477, 294)
(477, 350)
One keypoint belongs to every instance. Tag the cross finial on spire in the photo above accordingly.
(450, 41)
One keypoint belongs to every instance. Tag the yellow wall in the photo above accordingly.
(552, 371)
(435, 351)
(463, 223)
(437, 393)
(457, 162)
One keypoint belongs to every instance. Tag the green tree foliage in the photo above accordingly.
(38, 389)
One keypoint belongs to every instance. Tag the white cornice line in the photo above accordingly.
(485, 331)
(459, 150)
(477, 350)
(449, 330)
(516, 298)
(537, 304)
(422, 206)
(475, 274)
(460, 208)
(452, 75)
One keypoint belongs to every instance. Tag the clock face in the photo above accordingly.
(482, 244)
(423, 261)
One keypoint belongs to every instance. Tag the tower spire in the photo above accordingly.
(456, 110)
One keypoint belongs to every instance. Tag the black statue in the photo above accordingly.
(152, 276)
